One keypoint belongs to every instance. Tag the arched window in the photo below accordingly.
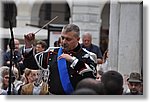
(49, 10)
(105, 27)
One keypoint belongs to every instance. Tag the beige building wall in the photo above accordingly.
(87, 17)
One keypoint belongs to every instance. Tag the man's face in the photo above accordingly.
(134, 87)
(39, 48)
(69, 41)
(16, 42)
(35, 74)
(86, 41)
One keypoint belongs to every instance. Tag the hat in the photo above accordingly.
(134, 77)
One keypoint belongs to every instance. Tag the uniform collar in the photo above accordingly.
(74, 51)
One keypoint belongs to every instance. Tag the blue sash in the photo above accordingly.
(64, 76)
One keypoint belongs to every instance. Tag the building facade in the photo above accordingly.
(114, 25)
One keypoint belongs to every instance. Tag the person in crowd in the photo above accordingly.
(4, 80)
(39, 47)
(84, 91)
(113, 83)
(68, 64)
(104, 64)
(27, 76)
(17, 83)
(57, 43)
(134, 84)
(87, 44)
(17, 60)
(37, 87)
(92, 84)
(99, 75)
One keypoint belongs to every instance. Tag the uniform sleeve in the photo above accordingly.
(86, 66)
(29, 60)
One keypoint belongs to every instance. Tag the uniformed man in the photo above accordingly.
(68, 64)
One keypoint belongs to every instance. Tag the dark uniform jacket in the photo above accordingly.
(29, 60)
(85, 67)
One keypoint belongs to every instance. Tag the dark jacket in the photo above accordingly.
(29, 60)
(95, 49)
(16, 58)
(48, 59)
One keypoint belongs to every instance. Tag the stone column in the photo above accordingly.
(125, 38)
(1, 16)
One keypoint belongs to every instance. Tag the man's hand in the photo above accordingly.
(99, 61)
(66, 56)
(29, 38)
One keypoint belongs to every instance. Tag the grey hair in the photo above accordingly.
(87, 34)
(72, 28)
(2, 69)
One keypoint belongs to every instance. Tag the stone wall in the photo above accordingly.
(87, 17)
(125, 37)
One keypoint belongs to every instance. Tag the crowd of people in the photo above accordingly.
(70, 69)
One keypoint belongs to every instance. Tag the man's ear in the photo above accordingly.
(78, 38)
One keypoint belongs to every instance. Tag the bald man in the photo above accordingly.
(87, 44)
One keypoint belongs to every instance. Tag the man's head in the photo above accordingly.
(17, 43)
(40, 46)
(70, 37)
(86, 39)
(134, 82)
(14, 44)
(113, 83)
(90, 83)
(84, 91)
(36, 75)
